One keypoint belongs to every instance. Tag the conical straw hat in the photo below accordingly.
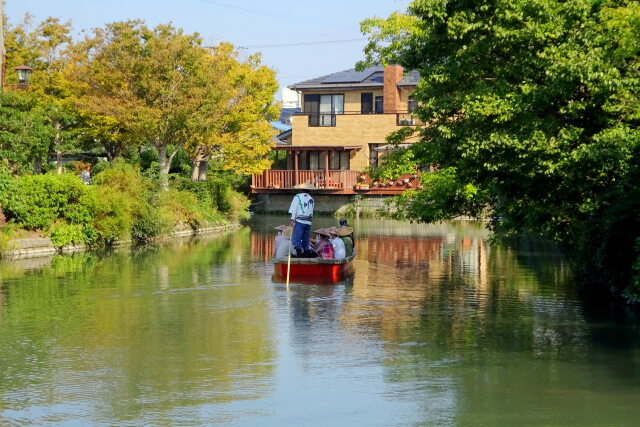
(345, 231)
(322, 231)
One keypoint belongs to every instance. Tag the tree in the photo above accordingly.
(160, 86)
(25, 133)
(44, 49)
(532, 113)
(105, 132)
(235, 102)
(140, 77)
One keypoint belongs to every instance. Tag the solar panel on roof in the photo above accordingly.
(377, 77)
(350, 76)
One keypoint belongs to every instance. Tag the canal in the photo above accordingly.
(437, 326)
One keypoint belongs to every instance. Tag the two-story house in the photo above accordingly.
(341, 129)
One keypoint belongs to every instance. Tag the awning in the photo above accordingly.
(391, 147)
(317, 147)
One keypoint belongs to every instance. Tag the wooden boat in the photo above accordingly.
(316, 270)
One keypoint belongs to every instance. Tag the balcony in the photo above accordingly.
(402, 118)
(331, 182)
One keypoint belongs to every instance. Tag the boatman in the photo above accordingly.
(301, 211)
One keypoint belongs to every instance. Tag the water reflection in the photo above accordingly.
(159, 333)
(436, 326)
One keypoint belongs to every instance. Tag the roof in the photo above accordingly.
(280, 126)
(285, 134)
(286, 113)
(369, 77)
(410, 79)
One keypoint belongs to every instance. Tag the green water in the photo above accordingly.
(436, 327)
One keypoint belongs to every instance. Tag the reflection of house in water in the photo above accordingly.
(409, 276)
(402, 251)
(262, 245)
(437, 253)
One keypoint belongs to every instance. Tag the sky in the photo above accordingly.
(322, 37)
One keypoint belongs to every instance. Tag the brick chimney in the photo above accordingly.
(392, 75)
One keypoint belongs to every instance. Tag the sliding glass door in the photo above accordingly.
(322, 109)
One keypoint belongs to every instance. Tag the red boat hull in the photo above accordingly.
(324, 272)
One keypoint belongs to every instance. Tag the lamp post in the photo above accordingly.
(3, 53)
(24, 73)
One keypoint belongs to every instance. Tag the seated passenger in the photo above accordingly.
(346, 234)
(279, 238)
(337, 243)
(285, 248)
(324, 248)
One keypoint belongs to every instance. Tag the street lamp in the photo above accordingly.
(24, 73)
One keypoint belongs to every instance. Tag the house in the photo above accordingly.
(341, 129)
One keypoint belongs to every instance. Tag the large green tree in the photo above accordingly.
(532, 111)
(25, 133)
(42, 114)
(161, 87)
(142, 78)
(234, 101)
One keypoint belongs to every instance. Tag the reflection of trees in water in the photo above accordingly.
(163, 327)
(451, 299)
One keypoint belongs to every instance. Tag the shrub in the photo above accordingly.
(123, 198)
(239, 206)
(7, 186)
(63, 234)
(99, 167)
(114, 215)
(39, 200)
(182, 207)
(150, 222)
(217, 194)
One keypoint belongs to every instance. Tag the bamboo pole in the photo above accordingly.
(289, 263)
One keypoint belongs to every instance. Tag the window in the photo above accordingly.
(366, 103)
(373, 155)
(314, 160)
(413, 104)
(334, 160)
(379, 104)
(312, 107)
(345, 160)
(303, 161)
(322, 109)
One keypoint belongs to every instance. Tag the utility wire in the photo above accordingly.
(324, 24)
(302, 43)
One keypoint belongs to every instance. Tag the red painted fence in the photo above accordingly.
(340, 179)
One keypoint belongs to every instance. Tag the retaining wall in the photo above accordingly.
(324, 203)
(42, 246)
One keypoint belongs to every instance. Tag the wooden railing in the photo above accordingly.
(403, 118)
(286, 179)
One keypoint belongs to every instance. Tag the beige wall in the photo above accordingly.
(354, 129)
(351, 129)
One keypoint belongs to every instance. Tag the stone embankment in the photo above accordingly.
(42, 246)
